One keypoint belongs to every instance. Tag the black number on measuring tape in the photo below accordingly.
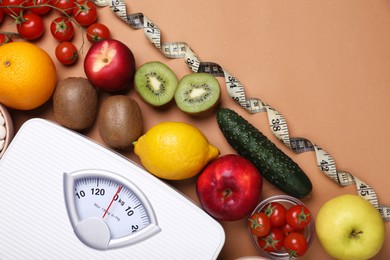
(192, 63)
(150, 27)
(114, 5)
(364, 191)
(276, 125)
(324, 165)
(233, 85)
(232, 82)
(236, 99)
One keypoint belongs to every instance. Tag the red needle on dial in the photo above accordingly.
(112, 200)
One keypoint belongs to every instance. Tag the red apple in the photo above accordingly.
(229, 188)
(110, 65)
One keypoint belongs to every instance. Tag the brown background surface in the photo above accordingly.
(323, 64)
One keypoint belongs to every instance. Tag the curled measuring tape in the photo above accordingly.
(277, 122)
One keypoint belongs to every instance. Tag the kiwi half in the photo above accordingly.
(197, 93)
(156, 83)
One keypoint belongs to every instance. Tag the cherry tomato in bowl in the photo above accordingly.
(298, 216)
(295, 244)
(276, 212)
(259, 224)
(287, 229)
(273, 242)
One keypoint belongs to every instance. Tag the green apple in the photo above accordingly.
(349, 227)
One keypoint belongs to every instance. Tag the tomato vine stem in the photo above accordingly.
(63, 11)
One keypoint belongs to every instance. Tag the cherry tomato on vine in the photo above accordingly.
(30, 26)
(298, 216)
(39, 7)
(15, 11)
(295, 244)
(276, 212)
(66, 53)
(97, 32)
(273, 241)
(62, 29)
(66, 6)
(259, 224)
(85, 12)
(5, 38)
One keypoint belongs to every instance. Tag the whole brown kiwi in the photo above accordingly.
(75, 103)
(120, 121)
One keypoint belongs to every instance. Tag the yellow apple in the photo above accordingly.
(349, 227)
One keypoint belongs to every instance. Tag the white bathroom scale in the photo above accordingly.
(64, 196)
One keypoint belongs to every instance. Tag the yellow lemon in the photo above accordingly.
(174, 150)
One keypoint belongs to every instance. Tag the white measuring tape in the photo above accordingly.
(277, 123)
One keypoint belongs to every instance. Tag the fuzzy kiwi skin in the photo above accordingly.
(120, 121)
(75, 103)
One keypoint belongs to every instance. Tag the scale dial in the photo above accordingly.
(107, 210)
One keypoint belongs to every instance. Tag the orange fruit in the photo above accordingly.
(28, 75)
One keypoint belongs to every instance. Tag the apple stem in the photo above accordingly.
(227, 193)
(356, 234)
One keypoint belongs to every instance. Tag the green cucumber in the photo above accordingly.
(274, 165)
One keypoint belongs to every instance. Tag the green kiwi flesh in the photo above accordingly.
(156, 83)
(197, 93)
